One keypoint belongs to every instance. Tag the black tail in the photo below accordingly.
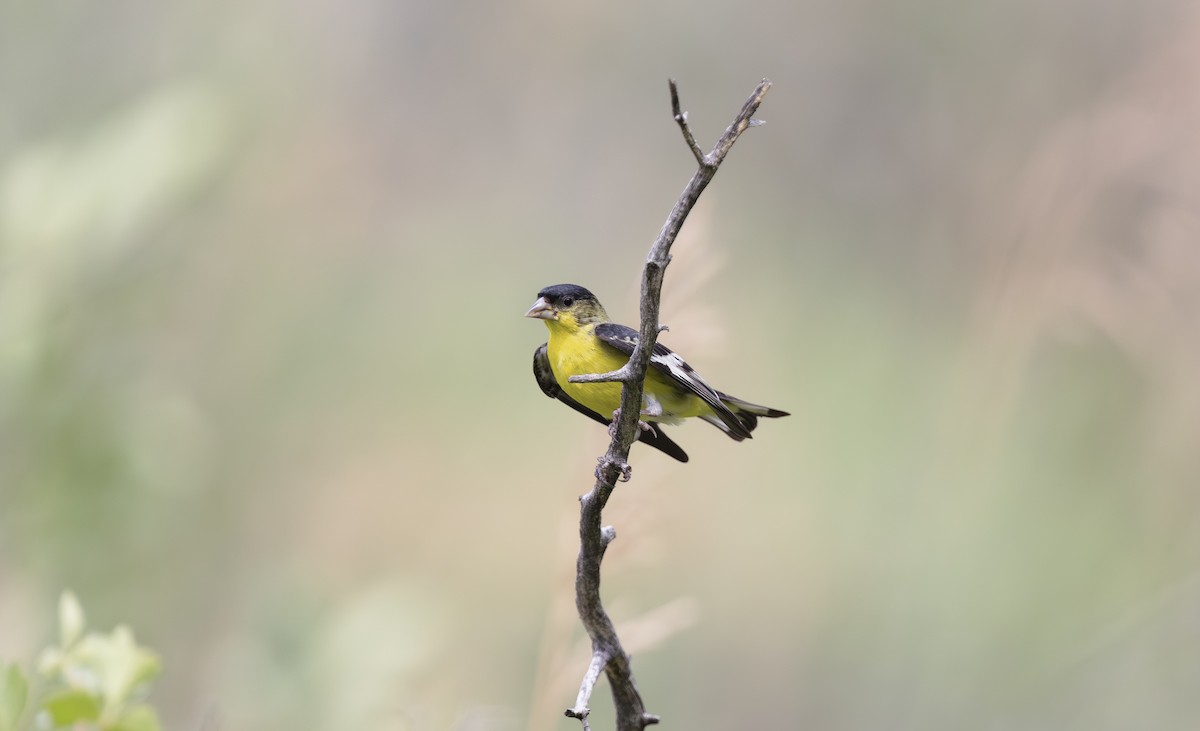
(748, 413)
(663, 443)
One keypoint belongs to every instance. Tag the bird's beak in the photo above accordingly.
(542, 310)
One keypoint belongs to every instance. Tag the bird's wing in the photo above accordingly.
(667, 362)
(549, 385)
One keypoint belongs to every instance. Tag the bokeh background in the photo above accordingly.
(265, 390)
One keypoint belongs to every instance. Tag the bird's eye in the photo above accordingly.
(568, 301)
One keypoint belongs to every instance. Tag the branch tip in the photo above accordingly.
(681, 118)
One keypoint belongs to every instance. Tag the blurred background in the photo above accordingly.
(265, 387)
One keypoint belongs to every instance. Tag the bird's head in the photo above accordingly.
(567, 305)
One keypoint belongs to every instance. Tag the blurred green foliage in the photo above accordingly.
(91, 682)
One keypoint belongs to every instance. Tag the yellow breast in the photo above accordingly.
(577, 351)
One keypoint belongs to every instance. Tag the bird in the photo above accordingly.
(583, 340)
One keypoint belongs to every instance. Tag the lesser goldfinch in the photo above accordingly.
(583, 340)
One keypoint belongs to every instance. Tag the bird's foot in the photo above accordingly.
(642, 425)
(603, 463)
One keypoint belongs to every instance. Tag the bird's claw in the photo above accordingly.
(642, 425)
(603, 463)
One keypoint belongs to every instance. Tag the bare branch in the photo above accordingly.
(581, 710)
(607, 652)
(624, 374)
(681, 118)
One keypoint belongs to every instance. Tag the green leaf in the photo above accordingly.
(140, 717)
(70, 706)
(14, 692)
(120, 664)
(70, 619)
